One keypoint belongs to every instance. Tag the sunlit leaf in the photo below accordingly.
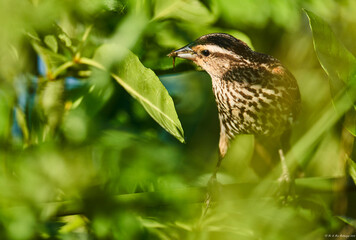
(114, 5)
(350, 121)
(21, 120)
(143, 84)
(151, 223)
(72, 223)
(125, 35)
(5, 110)
(51, 42)
(348, 220)
(63, 37)
(336, 60)
(193, 11)
(352, 169)
(52, 104)
(51, 59)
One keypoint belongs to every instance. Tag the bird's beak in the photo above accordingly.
(184, 52)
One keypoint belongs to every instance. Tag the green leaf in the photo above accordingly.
(51, 42)
(151, 223)
(72, 223)
(336, 60)
(192, 11)
(351, 166)
(350, 121)
(206, 3)
(51, 59)
(5, 111)
(21, 120)
(348, 220)
(142, 84)
(52, 103)
(63, 37)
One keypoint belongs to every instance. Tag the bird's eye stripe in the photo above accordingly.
(213, 49)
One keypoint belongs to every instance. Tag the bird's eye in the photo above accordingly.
(205, 53)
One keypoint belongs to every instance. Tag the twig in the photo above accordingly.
(304, 187)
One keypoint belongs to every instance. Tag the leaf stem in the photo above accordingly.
(61, 68)
(91, 62)
(69, 64)
(84, 38)
(87, 32)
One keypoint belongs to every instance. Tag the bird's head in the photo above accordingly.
(215, 53)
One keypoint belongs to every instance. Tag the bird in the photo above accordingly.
(255, 94)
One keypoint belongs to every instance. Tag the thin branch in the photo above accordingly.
(91, 62)
(61, 69)
(304, 187)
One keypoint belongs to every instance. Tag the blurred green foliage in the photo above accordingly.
(89, 135)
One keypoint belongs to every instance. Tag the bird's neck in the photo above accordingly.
(220, 89)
